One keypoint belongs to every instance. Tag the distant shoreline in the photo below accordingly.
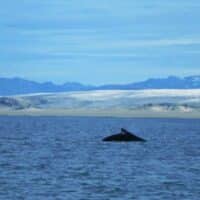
(100, 113)
(139, 104)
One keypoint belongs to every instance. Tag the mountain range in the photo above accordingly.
(14, 86)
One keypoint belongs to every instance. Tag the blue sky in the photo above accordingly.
(99, 41)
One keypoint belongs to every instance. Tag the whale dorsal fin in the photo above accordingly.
(124, 131)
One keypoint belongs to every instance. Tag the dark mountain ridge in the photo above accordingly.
(14, 86)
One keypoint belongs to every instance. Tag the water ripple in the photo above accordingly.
(64, 158)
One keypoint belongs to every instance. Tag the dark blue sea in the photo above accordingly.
(59, 158)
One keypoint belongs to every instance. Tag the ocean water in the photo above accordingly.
(65, 158)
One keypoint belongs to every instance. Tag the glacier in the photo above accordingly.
(148, 102)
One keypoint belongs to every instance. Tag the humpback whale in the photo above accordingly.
(123, 136)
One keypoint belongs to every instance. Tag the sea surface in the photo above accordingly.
(64, 158)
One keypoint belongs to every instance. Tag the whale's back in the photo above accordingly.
(124, 136)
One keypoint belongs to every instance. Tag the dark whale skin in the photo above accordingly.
(124, 136)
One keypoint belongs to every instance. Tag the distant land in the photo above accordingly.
(179, 103)
(16, 86)
(167, 97)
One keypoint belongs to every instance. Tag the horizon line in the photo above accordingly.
(90, 84)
